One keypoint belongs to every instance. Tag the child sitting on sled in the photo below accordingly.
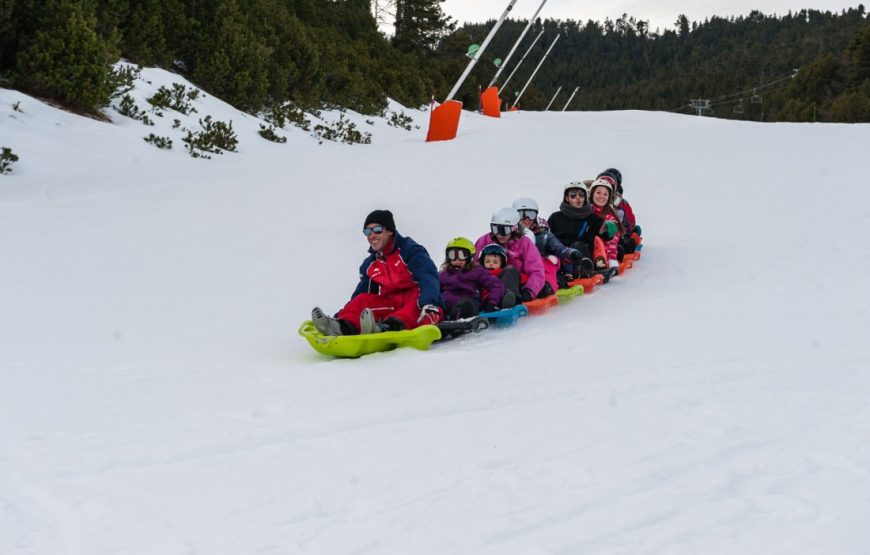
(464, 283)
(559, 260)
(631, 239)
(520, 250)
(493, 258)
(601, 200)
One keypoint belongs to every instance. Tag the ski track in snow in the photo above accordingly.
(155, 397)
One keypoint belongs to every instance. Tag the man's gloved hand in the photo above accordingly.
(574, 256)
(527, 295)
(430, 312)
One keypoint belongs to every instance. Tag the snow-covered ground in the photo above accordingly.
(155, 398)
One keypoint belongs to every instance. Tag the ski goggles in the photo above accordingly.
(458, 254)
(376, 229)
(502, 229)
(575, 194)
(527, 214)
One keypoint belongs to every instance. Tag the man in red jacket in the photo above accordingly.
(398, 288)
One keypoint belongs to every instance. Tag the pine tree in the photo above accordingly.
(64, 58)
(860, 58)
(233, 60)
(420, 24)
(144, 41)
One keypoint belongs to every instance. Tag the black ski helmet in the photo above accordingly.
(494, 248)
(616, 175)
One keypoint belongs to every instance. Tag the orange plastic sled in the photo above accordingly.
(540, 306)
(588, 283)
(625, 265)
(490, 103)
(444, 121)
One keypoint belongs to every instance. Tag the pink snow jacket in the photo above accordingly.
(522, 255)
(612, 245)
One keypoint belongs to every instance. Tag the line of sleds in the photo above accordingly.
(353, 346)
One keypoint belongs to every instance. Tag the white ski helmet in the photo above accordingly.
(576, 185)
(601, 183)
(525, 203)
(505, 216)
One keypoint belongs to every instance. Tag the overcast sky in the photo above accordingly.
(659, 13)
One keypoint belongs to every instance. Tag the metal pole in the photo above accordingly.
(480, 51)
(516, 44)
(553, 99)
(534, 42)
(536, 70)
(570, 99)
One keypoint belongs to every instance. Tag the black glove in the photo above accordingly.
(637, 230)
(575, 256)
(490, 307)
(527, 295)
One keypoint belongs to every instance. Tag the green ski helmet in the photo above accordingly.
(461, 243)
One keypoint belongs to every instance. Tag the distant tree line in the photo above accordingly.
(259, 53)
(622, 64)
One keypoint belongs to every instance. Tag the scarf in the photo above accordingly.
(576, 213)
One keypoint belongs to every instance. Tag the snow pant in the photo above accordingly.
(551, 269)
(510, 277)
(573, 270)
(466, 307)
(600, 255)
(612, 248)
(401, 305)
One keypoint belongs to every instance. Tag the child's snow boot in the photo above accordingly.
(587, 268)
(509, 300)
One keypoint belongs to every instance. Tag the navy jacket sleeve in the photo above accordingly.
(364, 281)
(423, 270)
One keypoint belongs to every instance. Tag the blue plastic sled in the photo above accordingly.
(506, 316)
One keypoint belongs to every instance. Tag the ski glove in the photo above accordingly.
(574, 256)
(490, 307)
(430, 312)
(527, 295)
(608, 230)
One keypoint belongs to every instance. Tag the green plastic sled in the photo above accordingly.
(354, 346)
(567, 295)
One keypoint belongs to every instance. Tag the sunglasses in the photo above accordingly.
(527, 214)
(575, 194)
(500, 229)
(457, 254)
(377, 230)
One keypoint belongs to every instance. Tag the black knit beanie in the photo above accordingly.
(383, 217)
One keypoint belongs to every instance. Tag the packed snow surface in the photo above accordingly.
(156, 399)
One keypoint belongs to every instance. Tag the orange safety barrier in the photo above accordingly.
(444, 121)
(490, 103)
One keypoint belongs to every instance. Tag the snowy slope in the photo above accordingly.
(155, 397)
